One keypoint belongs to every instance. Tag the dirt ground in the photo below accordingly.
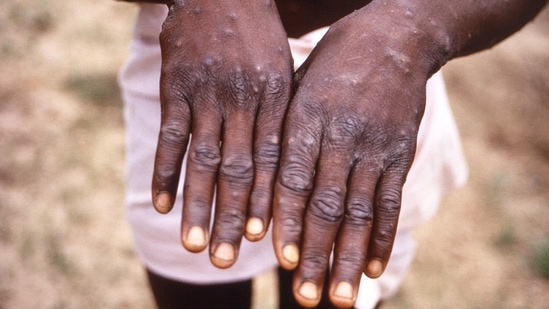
(64, 240)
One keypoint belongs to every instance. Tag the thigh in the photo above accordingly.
(170, 294)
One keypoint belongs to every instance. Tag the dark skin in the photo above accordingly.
(323, 152)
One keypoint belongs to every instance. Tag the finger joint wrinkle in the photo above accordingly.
(327, 207)
(173, 134)
(237, 169)
(205, 155)
(296, 179)
(359, 212)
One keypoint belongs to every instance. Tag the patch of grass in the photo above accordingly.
(496, 189)
(98, 88)
(37, 19)
(5, 295)
(27, 247)
(77, 214)
(506, 237)
(9, 50)
(540, 260)
(22, 24)
(61, 305)
(56, 257)
(5, 228)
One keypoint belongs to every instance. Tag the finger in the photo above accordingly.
(202, 166)
(386, 212)
(268, 131)
(300, 150)
(172, 144)
(352, 240)
(323, 217)
(234, 182)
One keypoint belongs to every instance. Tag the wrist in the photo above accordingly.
(406, 32)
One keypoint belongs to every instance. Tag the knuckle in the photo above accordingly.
(240, 87)
(205, 155)
(389, 203)
(237, 168)
(295, 177)
(173, 134)
(327, 205)
(165, 172)
(359, 211)
(346, 127)
(291, 220)
(276, 87)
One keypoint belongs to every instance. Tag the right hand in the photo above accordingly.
(226, 79)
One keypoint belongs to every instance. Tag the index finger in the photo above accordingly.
(386, 214)
(300, 150)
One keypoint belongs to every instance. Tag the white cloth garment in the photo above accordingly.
(439, 167)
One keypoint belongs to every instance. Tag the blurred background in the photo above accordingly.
(64, 240)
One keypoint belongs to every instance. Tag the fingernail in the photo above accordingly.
(374, 268)
(344, 290)
(308, 290)
(196, 239)
(254, 226)
(163, 202)
(291, 253)
(224, 255)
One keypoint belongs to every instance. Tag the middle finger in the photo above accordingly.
(235, 178)
(323, 217)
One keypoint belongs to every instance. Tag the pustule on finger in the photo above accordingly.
(274, 139)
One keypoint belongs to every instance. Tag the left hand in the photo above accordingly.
(226, 79)
(349, 141)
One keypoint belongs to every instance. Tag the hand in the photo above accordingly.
(349, 141)
(226, 78)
